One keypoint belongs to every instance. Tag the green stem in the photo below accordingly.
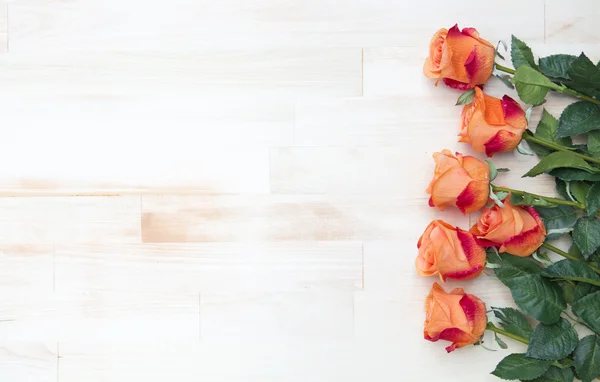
(493, 328)
(546, 198)
(565, 90)
(559, 87)
(567, 255)
(556, 147)
(505, 69)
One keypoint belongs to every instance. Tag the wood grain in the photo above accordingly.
(27, 221)
(193, 25)
(21, 361)
(209, 268)
(282, 218)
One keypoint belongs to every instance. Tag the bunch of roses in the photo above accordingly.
(515, 225)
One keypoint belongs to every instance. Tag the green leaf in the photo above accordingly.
(582, 290)
(567, 288)
(499, 341)
(556, 374)
(592, 200)
(517, 366)
(579, 190)
(552, 342)
(546, 130)
(556, 65)
(593, 144)
(466, 97)
(575, 252)
(560, 159)
(578, 118)
(571, 174)
(586, 235)
(557, 218)
(513, 321)
(587, 358)
(561, 188)
(572, 270)
(534, 295)
(532, 86)
(521, 54)
(587, 308)
(583, 72)
(493, 258)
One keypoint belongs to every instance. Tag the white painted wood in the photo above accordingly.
(260, 170)
(25, 221)
(209, 267)
(230, 24)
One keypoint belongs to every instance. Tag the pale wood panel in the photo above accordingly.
(377, 121)
(219, 361)
(99, 316)
(27, 267)
(276, 316)
(121, 145)
(221, 267)
(284, 218)
(189, 24)
(380, 170)
(573, 21)
(297, 73)
(27, 361)
(74, 220)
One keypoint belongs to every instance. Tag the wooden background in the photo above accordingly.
(232, 190)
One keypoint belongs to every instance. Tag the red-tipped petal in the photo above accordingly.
(456, 84)
(503, 141)
(473, 197)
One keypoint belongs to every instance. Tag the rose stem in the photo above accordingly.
(553, 146)
(493, 328)
(561, 88)
(566, 255)
(546, 198)
(505, 69)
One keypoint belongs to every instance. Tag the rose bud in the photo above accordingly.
(461, 58)
(492, 125)
(517, 230)
(456, 316)
(459, 181)
(449, 251)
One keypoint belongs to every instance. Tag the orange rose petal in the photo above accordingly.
(503, 141)
(474, 197)
(494, 113)
(476, 169)
(449, 186)
(480, 64)
(513, 113)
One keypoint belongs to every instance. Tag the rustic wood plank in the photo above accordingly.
(99, 316)
(280, 218)
(122, 148)
(209, 268)
(291, 73)
(70, 220)
(204, 25)
(277, 316)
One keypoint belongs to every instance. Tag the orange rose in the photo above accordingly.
(455, 316)
(492, 125)
(461, 58)
(449, 251)
(517, 230)
(460, 181)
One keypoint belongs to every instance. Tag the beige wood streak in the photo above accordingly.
(26, 221)
(281, 218)
(193, 25)
(573, 21)
(209, 267)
